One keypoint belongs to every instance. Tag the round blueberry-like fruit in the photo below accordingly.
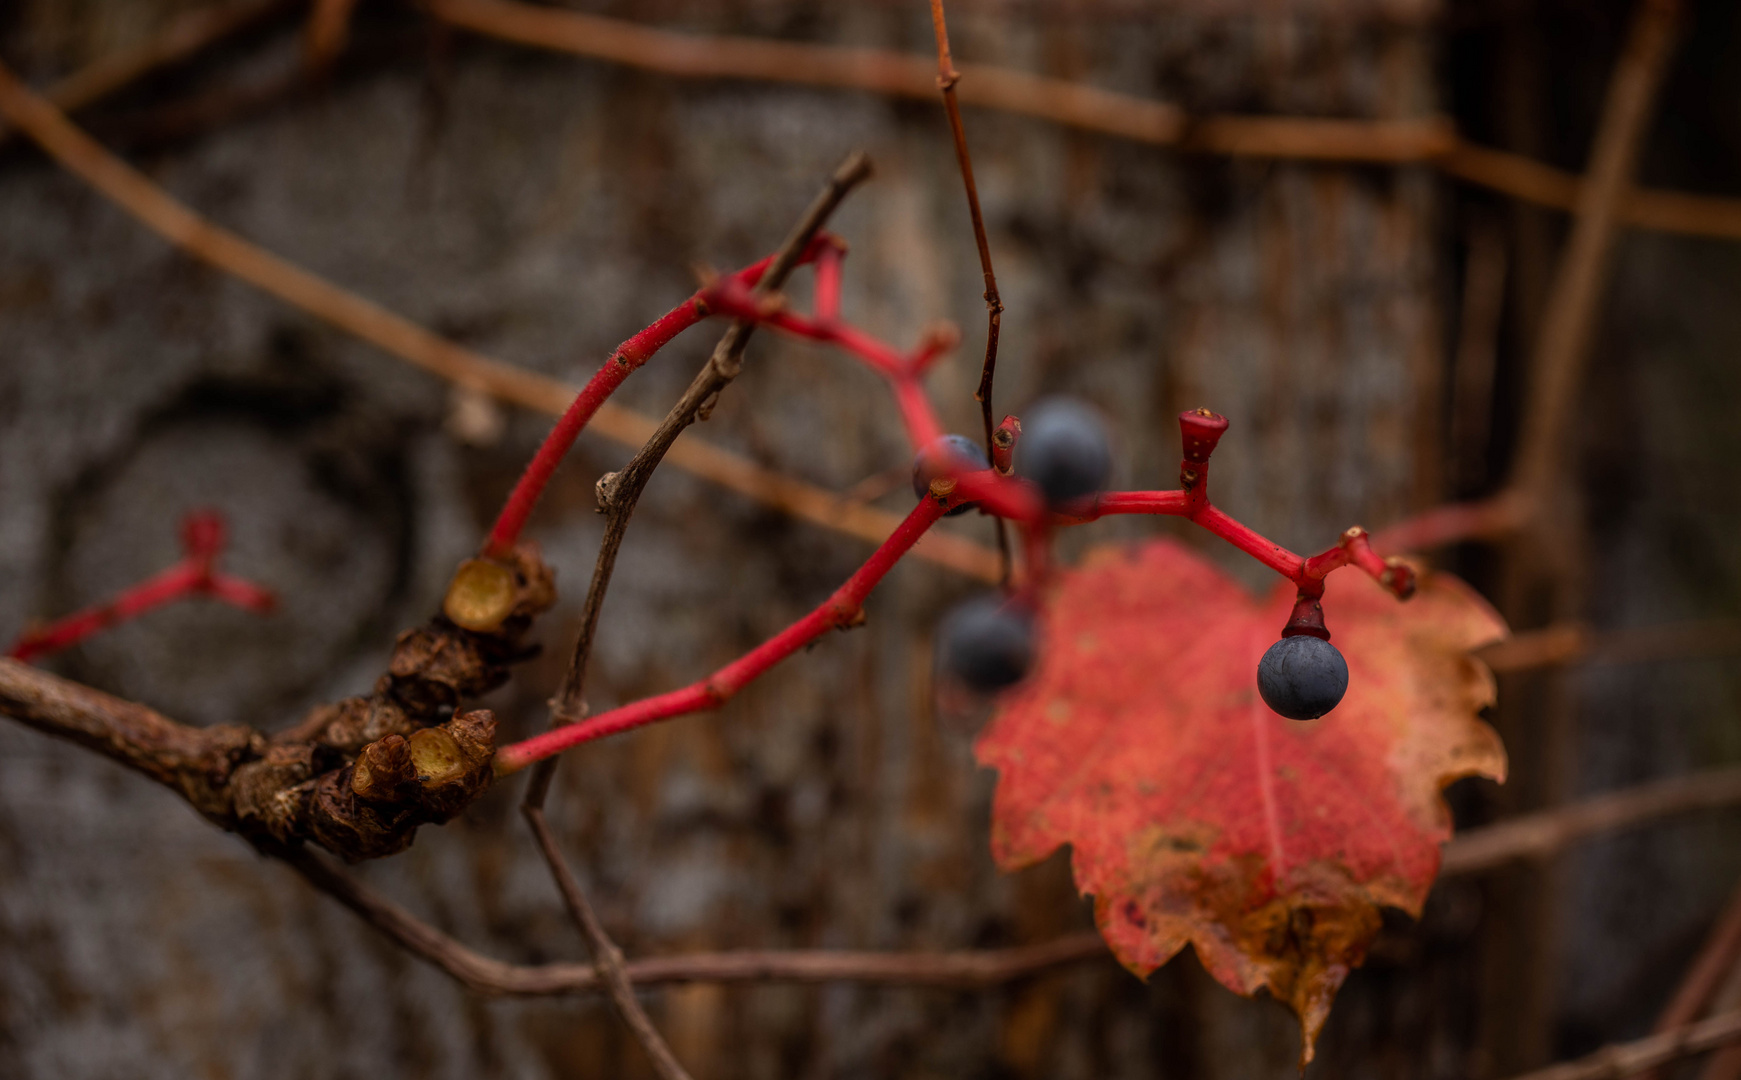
(986, 644)
(931, 463)
(1064, 449)
(1302, 677)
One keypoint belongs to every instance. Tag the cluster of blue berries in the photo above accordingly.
(988, 643)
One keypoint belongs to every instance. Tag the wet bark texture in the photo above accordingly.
(541, 209)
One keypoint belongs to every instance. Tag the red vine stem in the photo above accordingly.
(1004, 496)
(202, 537)
(628, 356)
(842, 610)
(1007, 498)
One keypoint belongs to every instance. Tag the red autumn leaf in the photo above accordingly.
(1198, 815)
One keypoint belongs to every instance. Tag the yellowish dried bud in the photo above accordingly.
(436, 757)
(481, 596)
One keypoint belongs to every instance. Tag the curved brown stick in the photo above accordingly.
(1477, 851)
(1428, 142)
(1536, 836)
(1574, 642)
(1544, 185)
(966, 969)
(606, 957)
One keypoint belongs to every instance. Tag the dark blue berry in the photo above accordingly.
(1302, 677)
(1064, 449)
(986, 644)
(930, 464)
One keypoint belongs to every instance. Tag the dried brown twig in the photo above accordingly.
(1548, 832)
(1629, 1059)
(1431, 141)
(895, 74)
(607, 959)
(1574, 642)
(619, 493)
(965, 969)
(947, 80)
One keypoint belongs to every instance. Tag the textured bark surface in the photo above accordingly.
(542, 209)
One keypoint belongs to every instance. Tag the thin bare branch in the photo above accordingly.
(1477, 851)
(1631, 1058)
(1582, 275)
(1576, 643)
(1641, 208)
(619, 492)
(1432, 141)
(947, 79)
(606, 957)
(966, 969)
(1540, 835)
(399, 337)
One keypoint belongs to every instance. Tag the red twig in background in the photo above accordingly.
(203, 534)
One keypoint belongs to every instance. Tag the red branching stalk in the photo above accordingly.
(840, 611)
(202, 539)
(995, 491)
(628, 356)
